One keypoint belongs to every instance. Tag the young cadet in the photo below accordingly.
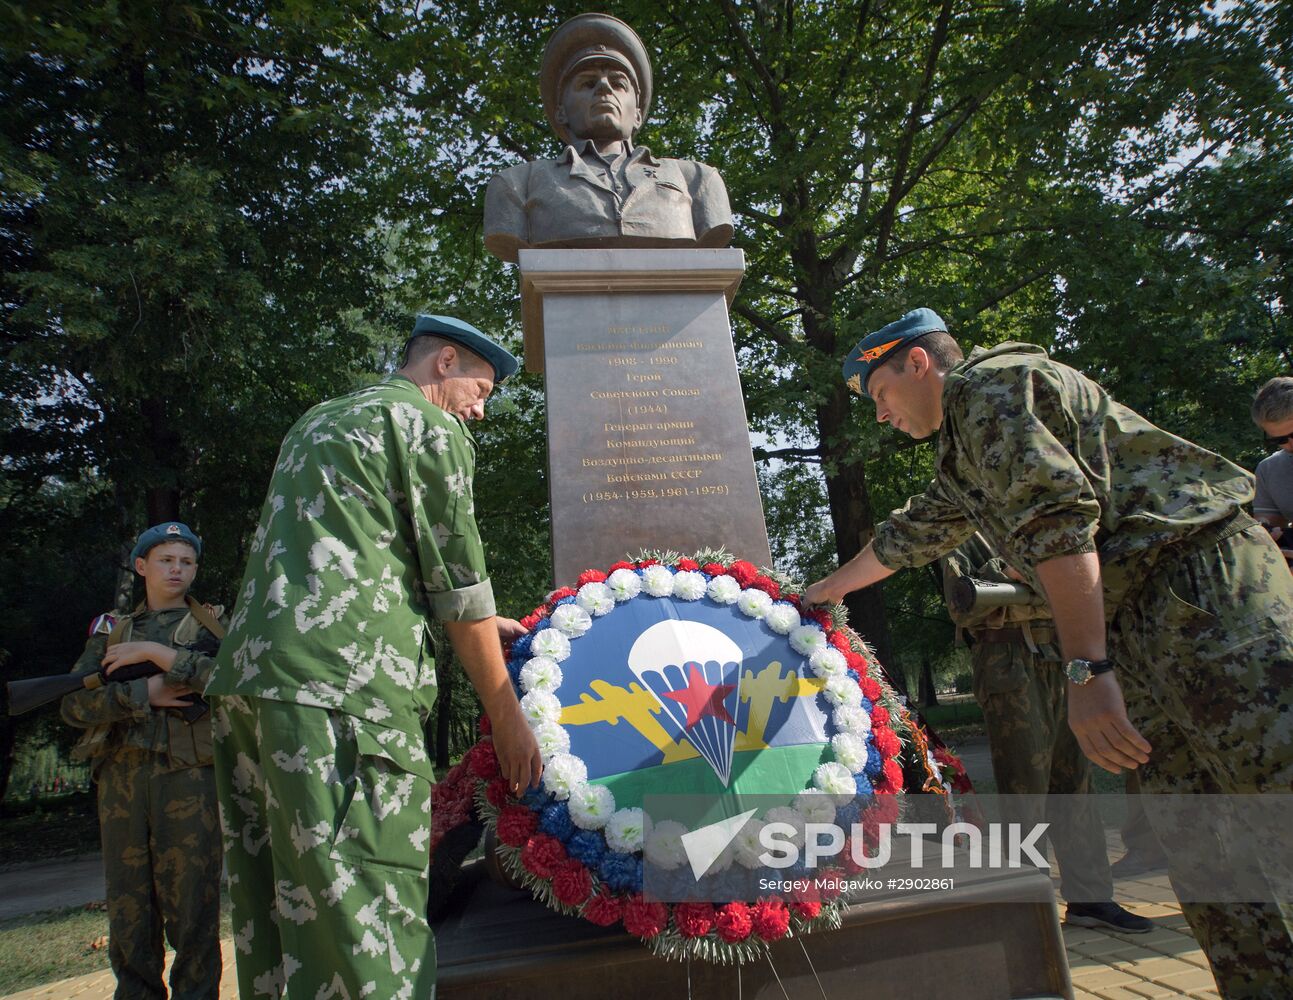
(1159, 585)
(157, 797)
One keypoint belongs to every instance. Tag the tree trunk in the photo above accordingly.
(444, 715)
(928, 695)
(8, 741)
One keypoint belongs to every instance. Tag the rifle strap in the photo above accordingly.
(205, 618)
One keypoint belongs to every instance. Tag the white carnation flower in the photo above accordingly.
(785, 814)
(625, 830)
(852, 719)
(563, 774)
(689, 585)
(571, 620)
(843, 690)
(782, 617)
(591, 806)
(663, 845)
(754, 603)
(818, 806)
(828, 662)
(552, 739)
(624, 585)
(723, 590)
(595, 598)
(657, 580)
(539, 707)
(850, 750)
(540, 673)
(748, 847)
(551, 643)
(807, 639)
(835, 779)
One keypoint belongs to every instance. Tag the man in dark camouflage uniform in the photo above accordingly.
(1019, 684)
(157, 796)
(1125, 524)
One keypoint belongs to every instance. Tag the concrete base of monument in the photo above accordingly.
(995, 936)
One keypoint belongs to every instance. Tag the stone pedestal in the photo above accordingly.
(647, 438)
(994, 937)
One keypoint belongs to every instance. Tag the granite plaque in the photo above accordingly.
(647, 438)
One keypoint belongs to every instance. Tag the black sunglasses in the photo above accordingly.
(1275, 442)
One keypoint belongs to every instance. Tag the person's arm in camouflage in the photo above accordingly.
(1022, 444)
(927, 527)
(117, 701)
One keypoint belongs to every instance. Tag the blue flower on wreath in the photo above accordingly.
(566, 600)
(857, 679)
(874, 762)
(863, 782)
(867, 705)
(622, 872)
(588, 847)
(535, 798)
(555, 821)
(514, 666)
(521, 646)
(847, 815)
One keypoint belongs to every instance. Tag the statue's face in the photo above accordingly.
(599, 101)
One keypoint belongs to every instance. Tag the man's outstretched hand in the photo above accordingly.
(1098, 717)
(518, 753)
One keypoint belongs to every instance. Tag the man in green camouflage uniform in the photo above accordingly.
(1019, 683)
(327, 674)
(1124, 523)
(157, 797)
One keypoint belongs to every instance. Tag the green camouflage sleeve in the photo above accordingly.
(116, 701)
(928, 526)
(192, 667)
(450, 553)
(1015, 430)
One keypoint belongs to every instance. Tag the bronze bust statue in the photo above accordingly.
(603, 191)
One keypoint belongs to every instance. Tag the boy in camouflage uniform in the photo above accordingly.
(1019, 683)
(157, 796)
(327, 675)
(1122, 523)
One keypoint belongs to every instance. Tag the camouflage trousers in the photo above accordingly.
(161, 859)
(1205, 660)
(326, 820)
(1034, 753)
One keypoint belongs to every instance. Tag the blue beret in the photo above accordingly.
(872, 349)
(159, 534)
(448, 328)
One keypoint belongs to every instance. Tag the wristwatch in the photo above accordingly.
(1081, 671)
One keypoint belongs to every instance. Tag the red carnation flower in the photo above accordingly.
(714, 569)
(767, 585)
(482, 761)
(795, 599)
(828, 884)
(851, 865)
(743, 572)
(485, 726)
(531, 620)
(693, 919)
(886, 740)
(622, 565)
(645, 919)
(871, 689)
(885, 809)
(841, 642)
(591, 576)
(856, 662)
(889, 781)
(603, 909)
(734, 922)
(558, 595)
(879, 716)
(644, 563)
(572, 884)
(807, 910)
(497, 792)
(686, 565)
(771, 918)
(543, 855)
(516, 824)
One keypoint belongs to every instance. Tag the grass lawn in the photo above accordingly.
(956, 718)
(59, 944)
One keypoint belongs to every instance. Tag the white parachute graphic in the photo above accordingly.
(687, 665)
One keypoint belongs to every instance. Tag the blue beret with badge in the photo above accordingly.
(872, 349)
(466, 335)
(160, 534)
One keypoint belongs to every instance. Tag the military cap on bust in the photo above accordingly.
(160, 534)
(466, 335)
(589, 38)
(872, 349)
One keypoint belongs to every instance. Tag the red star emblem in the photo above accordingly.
(702, 699)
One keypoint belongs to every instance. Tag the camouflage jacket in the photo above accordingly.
(118, 714)
(1044, 463)
(368, 530)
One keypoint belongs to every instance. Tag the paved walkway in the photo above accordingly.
(51, 885)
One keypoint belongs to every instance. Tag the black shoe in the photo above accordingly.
(1137, 864)
(1108, 916)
